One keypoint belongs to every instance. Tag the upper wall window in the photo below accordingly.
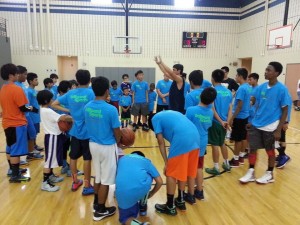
(184, 3)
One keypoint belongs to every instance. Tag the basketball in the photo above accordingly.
(128, 137)
(64, 126)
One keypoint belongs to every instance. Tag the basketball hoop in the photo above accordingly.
(127, 53)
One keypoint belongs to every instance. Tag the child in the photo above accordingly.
(201, 116)
(115, 93)
(135, 174)
(54, 78)
(126, 83)
(101, 116)
(54, 152)
(125, 103)
(162, 89)
(74, 84)
(48, 83)
(140, 100)
(152, 98)
(193, 98)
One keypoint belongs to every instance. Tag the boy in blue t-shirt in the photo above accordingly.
(115, 94)
(162, 89)
(54, 78)
(202, 117)
(193, 98)
(140, 100)
(216, 133)
(134, 178)
(75, 100)
(125, 103)
(152, 98)
(103, 129)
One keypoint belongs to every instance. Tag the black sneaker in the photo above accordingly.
(18, 179)
(143, 209)
(163, 208)
(145, 127)
(180, 205)
(109, 211)
(134, 127)
(199, 194)
(189, 198)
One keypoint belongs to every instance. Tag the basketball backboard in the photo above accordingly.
(127, 45)
(280, 37)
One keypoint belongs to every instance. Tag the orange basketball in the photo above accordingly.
(64, 126)
(128, 137)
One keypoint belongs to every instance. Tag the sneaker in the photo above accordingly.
(163, 208)
(189, 198)
(267, 178)
(143, 209)
(55, 179)
(226, 167)
(39, 148)
(213, 171)
(145, 223)
(234, 163)
(180, 205)
(199, 194)
(48, 186)
(241, 160)
(249, 177)
(23, 162)
(246, 156)
(134, 127)
(79, 173)
(35, 151)
(277, 158)
(282, 161)
(109, 211)
(32, 156)
(18, 179)
(88, 190)
(64, 170)
(9, 172)
(75, 186)
(145, 127)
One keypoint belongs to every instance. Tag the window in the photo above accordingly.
(184, 3)
(101, 2)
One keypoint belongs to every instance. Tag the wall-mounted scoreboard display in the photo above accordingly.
(194, 39)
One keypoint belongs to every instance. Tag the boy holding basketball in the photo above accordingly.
(103, 126)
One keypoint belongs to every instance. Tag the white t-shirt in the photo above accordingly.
(49, 119)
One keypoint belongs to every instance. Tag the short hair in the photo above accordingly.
(31, 77)
(113, 83)
(218, 75)
(125, 75)
(138, 72)
(100, 85)
(138, 153)
(125, 88)
(44, 97)
(73, 82)
(8, 69)
(277, 66)
(83, 77)
(47, 81)
(53, 76)
(64, 86)
(208, 95)
(242, 72)
(21, 69)
(152, 84)
(184, 75)
(196, 77)
(255, 76)
(179, 67)
(92, 79)
(226, 68)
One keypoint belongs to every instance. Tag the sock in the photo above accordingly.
(242, 154)
(135, 222)
(46, 176)
(216, 165)
(180, 196)
(64, 163)
(15, 170)
(236, 157)
(9, 163)
(74, 177)
(95, 198)
(270, 169)
(281, 151)
(122, 123)
(170, 201)
(226, 161)
(51, 172)
(126, 123)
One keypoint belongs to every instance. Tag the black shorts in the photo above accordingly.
(125, 115)
(160, 108)
(80, 148)
(261, 139)
(239, 131)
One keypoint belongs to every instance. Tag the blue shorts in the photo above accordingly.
(16, 140)
(37, 127)
(125, 214)
(31, 132)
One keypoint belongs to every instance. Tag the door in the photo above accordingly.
(291, 78)
(67, 67)
(247, 64)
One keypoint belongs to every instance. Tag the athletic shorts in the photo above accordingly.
(282, 137)
(37, 127)
(216, 134)
(200, 162)
(31, 132)
(239, 131)
(138, 108)
(125, 214)
(80, 148)
(16, 141)
(261, 139)
(105, 158)
(125, 115)
(53, 150)
(160, 108)
(183, 166)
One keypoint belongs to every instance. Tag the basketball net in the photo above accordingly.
(127, 53)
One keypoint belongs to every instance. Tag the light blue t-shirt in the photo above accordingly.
(134, 178)
(20, 84)
(164, 87)
(202, 118)
(177, 129)
(253, 108)
(222, 102)
(193, 98)
(76, 100)
(289, 107)
(139, 88)
(54, 91)
(206, 84)
(115, 94)
(101, 119)
(243, 94)
(31, 93)
(151, 98)
(187, 88)
(270, 102)
(125, 101)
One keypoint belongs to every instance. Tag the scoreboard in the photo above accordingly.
(194, 39)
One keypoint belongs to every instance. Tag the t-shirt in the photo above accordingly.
(75, 100)
(152, 98)
(21, 85)
(54, 91)
(193, 98)
(125, 101)
(101, 119)
(139, 88)
(134, 178)
(115, 94)
(222, 102)
(270, 101)
(178, 130)
(206, 84)
(187, 88)
(253, 108)
(176, 100)
(164, 87)
(231, 84)
(50, 120)
(31, 93)
(12, 97)
(243, 94)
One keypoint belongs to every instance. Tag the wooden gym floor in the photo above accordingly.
(226, 200)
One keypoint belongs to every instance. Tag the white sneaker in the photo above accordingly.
(47, 186)
(267, 178)
(55, 179)
(249, 177)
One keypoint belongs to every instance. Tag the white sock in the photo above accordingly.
(216, 165)
(242, 154)
(226, 161)
(236, 157)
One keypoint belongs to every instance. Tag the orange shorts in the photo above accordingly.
(182, 166)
